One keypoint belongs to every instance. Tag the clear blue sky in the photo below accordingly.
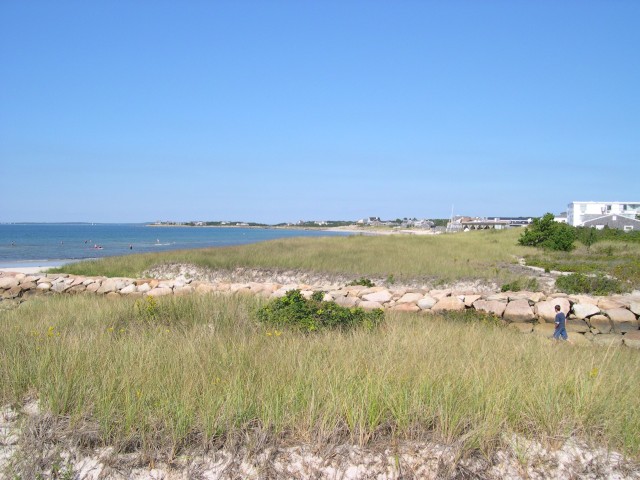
(126, 111)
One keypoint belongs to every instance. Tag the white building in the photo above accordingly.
(580, 212)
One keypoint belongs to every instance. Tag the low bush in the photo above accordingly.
(529, 284)
(293, 310)
(365, 282)
(590, 284)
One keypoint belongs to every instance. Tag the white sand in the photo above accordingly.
(25, 270)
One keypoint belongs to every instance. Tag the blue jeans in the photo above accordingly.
(560, 332)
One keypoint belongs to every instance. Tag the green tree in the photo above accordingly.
(546, 233)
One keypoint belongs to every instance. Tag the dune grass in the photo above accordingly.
(618, 258)
(473, 255)
(174, 373)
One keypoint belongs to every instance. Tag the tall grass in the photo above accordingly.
(473, 255)
(618, 258)
(199, 371)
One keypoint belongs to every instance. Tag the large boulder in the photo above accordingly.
(28, 285)
(448, 303)
(440, 294)
(406, 307)
(152, 282)
(584, 299)
(470, 299)
(129, 289)
(635, 308)
(159, 292)
(518, 311)
(77, 281)
(77, 289)
(499, 297)
(585, 310)
(622, 320)
(410, 298)
(525, 295)
(367, 290)
(108, 286)
(13, 292)
(546, 310)
(184, 290)
(282, 291)
(494, 307)
(59, 287)
(382, 296)
(632, 339)
(346, 301)
(601, 323)
(369, 305)
(606, 303)
(427, 302)
(577, 326)
(8, 282)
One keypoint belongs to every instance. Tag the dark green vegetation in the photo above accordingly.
(607, 262)
(546, 233)
(362, 281)
(618, 259)
(314, 314)
(528, 284)
(589, 284)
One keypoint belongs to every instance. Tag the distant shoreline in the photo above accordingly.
(345, 229)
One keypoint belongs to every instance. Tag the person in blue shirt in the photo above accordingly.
(561, 325)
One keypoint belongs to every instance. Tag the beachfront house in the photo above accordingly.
(619, 222)
(580, 212)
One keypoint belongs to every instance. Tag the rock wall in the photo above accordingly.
(598, 320)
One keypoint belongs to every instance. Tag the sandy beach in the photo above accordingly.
(25, 270)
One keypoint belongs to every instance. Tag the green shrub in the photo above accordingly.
(473, 316)
(293, 310)
(365, 282)
(590, 235)
(529, 284)
(546, 233)
(594, 285)
(629, 272)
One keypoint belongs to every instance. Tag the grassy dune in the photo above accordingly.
(617, 258)
(198, 371)
(474, 255)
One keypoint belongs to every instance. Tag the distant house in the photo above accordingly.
(579, 213)
(562, 218)
(484, 224)
(424, 223)
(613, 221)
(455, 225)
(375, 221)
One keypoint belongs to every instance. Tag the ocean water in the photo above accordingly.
(24, 245)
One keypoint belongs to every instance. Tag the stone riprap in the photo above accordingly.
(599, 320)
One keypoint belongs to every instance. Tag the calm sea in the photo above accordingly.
(24, 245)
